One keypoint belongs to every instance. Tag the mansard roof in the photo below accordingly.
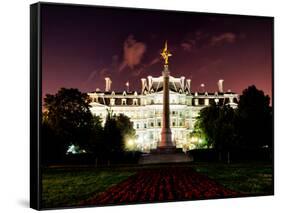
(116, 92)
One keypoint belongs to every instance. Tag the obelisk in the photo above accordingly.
(166, 143)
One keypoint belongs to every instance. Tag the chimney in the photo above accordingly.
(107, 84)
(188, 85)
(143, 84)
(182, 82)
(220, 85)
(149, 82)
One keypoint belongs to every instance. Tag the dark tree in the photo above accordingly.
(255, 119)
(95, 141)
(246, 129)
(126, 127)
(217, 124)
(225, 132)
(68, 115)
(205, 123)
(112, 137)
(52, 149)
(117, 130)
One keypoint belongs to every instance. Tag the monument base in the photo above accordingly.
(165, 155)
(165, 150)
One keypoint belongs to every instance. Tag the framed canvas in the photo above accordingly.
(135, 106)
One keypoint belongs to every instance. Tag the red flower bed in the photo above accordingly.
(164, 184)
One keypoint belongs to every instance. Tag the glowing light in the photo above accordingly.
(194, 139)
(130, 144)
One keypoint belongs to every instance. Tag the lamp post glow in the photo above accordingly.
(130, 144)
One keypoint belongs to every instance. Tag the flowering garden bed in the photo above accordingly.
(162, 184)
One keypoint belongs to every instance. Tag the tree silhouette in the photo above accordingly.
(125, 125)
(216, 123)
(255, 118)
(112, 136)
(205, 123)
(249, 127)
(68, 115)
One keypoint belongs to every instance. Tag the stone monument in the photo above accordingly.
(166, 151)
(166, 144)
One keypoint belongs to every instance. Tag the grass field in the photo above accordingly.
(249, 179)
(69, 186)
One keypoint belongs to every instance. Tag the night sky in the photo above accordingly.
(82, 45)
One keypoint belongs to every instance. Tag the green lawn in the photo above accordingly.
(68, 187)
(250, 179)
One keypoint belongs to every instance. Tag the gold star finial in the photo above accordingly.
(166, 54)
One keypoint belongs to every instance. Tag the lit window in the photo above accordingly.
(206, 102)
(112, 101)
(217, 100)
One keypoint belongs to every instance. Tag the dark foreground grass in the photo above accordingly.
(66, 187)
(249, 179)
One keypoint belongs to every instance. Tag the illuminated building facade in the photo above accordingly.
(145, 108)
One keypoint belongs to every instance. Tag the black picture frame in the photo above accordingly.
(36, 96)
